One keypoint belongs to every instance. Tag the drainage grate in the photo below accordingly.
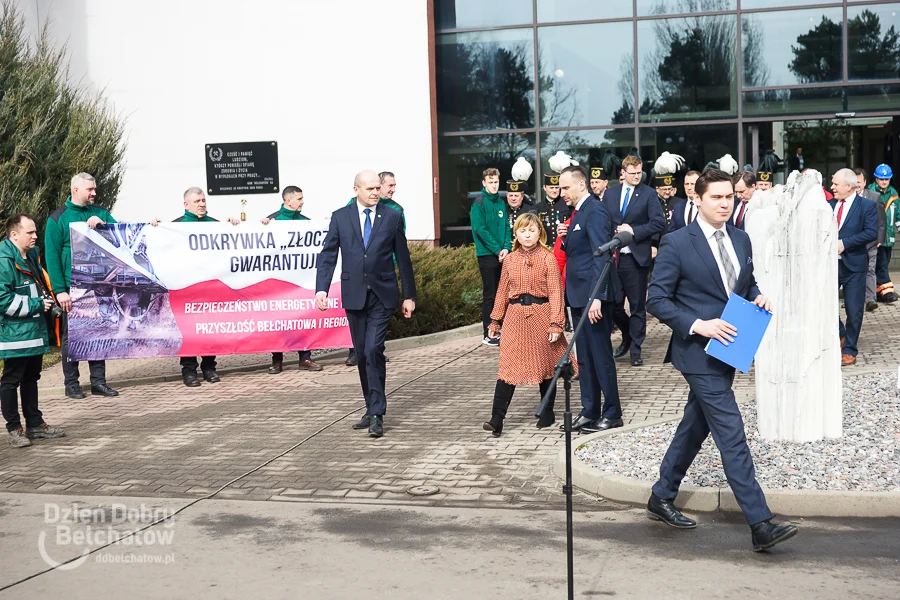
(423, 490)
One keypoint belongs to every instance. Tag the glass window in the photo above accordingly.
(826, 144)
(686, 7)
(576, 88)
(549, 11)
(587, 147)
(751, 4)
(463, 14)
(791, 47)
(485, 80)
(873, 97)
(804, 101)
(461, 160)
(687, 68)
(873, 41)
(698, 145)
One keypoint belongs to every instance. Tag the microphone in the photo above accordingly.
(620, 240)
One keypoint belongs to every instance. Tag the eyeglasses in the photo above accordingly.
(632, 173)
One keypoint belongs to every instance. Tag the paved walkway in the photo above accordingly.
(166, 440)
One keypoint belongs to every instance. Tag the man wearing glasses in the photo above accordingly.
(634, 207)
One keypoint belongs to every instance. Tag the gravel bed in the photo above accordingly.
(866, 458)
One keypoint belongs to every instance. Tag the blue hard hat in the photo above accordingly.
(883, 171)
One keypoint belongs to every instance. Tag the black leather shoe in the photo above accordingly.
(363, 423)
(276, 368)
(577, 424)
(351, 359)
(870, 306)
(376, 426)
(636, 360)
(495, 426)
(767, 534)
(622, 350)
(387, 358)
(74, 391)
(103, 390)
(191, 380)
(211, 376)
(602, 424)
(663, 510)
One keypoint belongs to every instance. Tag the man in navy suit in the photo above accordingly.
(696, 269)
(368, 235)
(589, 229)
(857, 219)
(744, 186)
(634, 207)
(684, 211)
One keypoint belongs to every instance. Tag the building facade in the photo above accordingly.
(699, 78)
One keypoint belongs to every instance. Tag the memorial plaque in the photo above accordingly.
(242, 168)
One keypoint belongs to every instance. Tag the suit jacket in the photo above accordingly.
(369, 267)
(677, 220)
(589, 229)
(687, 286)
(859, 229)
(882, 218)
(644, 214)
(734, 213)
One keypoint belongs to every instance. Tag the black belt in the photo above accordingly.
(528, 300)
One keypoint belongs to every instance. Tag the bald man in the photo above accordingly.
(368, 235)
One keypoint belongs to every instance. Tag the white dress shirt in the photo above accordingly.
(848, 202)
(362, 217)
(689, 207)
(581, 202)
(626, 249)
(737, 211)
(709, 233)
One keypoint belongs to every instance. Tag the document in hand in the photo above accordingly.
(751, 323)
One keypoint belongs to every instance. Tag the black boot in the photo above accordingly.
(502, 397)
(549, 417)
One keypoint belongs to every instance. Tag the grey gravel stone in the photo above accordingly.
(866, 458)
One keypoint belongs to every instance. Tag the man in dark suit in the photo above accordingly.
(684, 211)
(696, 269)
(857, 220)
(744, 186)
(634, 207)
(368, 236)
(589, 229)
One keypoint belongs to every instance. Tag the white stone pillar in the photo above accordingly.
(798, 366)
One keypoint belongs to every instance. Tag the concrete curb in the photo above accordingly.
(789, 503)
(391, 345)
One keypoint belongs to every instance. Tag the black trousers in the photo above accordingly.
(490, 268)
(21, 374)
(368, 330)
(97, 368)
(189, 364)
(634, 280)
(503, 394)
(596, 366)
(882, 265)
(304, 355)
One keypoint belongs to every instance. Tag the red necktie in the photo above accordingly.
(840, 213)
(740, 217)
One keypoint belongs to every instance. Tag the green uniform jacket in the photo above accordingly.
(189, 217)
(490, 225)
(283, 214)
(23, 330)
(891, 212)
(57, 243)
(390, 204)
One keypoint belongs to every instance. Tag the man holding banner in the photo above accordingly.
(292, 198)
(368, 235)
(195, 212)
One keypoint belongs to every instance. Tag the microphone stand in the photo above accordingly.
(565, 370)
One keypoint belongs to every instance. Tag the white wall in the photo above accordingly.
(341, 85)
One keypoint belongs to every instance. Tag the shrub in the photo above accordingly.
(448, 291)
(50, 128)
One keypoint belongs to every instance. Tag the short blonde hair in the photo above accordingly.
(631, 161)
(525, 220)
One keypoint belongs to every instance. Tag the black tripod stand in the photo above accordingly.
(565, 370)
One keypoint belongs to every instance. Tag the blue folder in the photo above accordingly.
(751, 323)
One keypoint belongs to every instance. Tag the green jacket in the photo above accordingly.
(189, 217)
(283, 214)
(23, 330)
(490, 225)
(889, 203)
(57, 243)
(390, 204)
